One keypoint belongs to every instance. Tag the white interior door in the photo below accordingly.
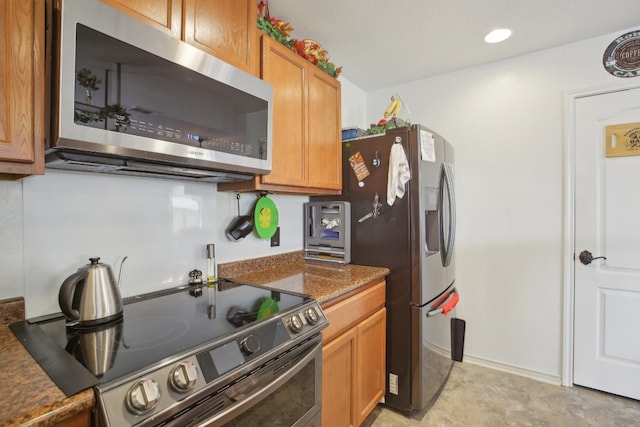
(607, 223)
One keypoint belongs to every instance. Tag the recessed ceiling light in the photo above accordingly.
(498, 35)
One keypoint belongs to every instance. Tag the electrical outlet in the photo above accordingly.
(275, 239)
(393, 383)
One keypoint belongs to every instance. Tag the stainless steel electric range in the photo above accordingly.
(192, 356)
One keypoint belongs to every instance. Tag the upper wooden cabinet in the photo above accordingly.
(324, 160)
(165, 15)
(287, 72)
(22, 82)
(306, 140)
(225, 29)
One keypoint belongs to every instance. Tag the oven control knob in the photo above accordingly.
(184, 376)
(295, 323)
(312, 315)
(250, 344)
(143, 396)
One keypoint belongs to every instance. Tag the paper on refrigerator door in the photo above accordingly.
(359, 167)
(427, 146)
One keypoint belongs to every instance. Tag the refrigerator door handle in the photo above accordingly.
(447, 306)
(447, 182)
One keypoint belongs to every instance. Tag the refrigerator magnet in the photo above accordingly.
(359, 167)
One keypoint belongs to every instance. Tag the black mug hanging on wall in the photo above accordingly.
(242, 225)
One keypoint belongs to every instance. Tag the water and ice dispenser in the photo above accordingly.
(327, 233)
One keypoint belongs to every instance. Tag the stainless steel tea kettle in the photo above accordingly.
(91, 296)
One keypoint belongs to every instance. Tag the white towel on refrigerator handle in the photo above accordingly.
(399, 173)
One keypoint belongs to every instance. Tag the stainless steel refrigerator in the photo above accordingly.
(414, 237)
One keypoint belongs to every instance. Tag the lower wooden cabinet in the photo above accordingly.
(370, 368)
(339, 380)
(83, 419)
(353, 357)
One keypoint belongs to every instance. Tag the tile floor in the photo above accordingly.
(479, 396)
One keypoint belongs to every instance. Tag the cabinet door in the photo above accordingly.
(325, 133)
(287, 73)
(165, 15)
(370, 374)
(22, 81)
(339, 381)
(83, 419)
(222, 28)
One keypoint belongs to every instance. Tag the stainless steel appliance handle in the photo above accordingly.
(311, 231)
(448, 180)
(448, 305)
(243, 403)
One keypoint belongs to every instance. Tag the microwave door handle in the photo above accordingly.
(448, 180)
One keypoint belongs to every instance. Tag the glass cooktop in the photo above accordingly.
(157, 326)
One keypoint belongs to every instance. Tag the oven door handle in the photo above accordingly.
(245, 402)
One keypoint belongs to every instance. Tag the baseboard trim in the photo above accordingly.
(516, 370)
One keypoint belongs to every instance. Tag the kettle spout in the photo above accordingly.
(120, 273)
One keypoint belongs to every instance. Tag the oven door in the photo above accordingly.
(284, 392)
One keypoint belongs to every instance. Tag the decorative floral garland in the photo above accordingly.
(281, 32)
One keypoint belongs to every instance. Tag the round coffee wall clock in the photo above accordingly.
(622, 56)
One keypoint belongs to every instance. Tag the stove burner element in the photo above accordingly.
(152, 331)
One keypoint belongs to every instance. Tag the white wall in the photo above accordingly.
(161, 225)
(505, 122)
(11, 241)
(354, 111)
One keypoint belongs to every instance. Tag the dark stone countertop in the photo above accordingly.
(29, 397)
(322, 281)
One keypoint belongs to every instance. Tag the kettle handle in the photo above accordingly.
(65, 296)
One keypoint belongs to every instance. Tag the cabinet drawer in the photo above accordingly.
(349, 312)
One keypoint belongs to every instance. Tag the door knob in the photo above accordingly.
(586, 257)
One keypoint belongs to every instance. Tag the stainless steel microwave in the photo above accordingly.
(129, 99)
